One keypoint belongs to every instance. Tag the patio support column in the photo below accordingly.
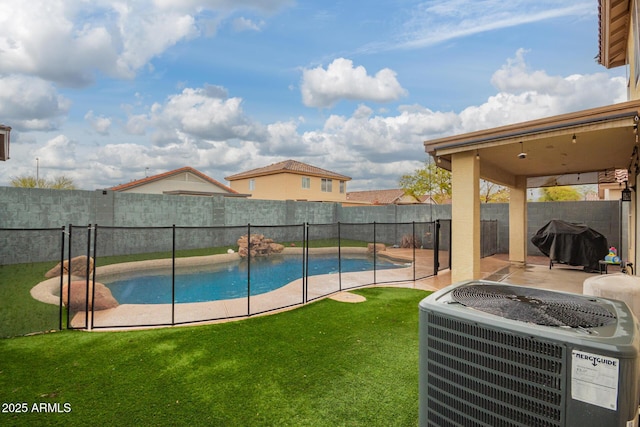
(465, 216)
(518, 222)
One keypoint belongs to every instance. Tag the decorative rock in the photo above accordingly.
(103, 297)
(78, 267)
(378, 247)
(257, 245)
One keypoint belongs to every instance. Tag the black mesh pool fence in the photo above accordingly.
(160, 276)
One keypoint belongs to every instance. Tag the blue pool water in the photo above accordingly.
(228, 281)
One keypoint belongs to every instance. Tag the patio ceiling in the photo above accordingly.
(605, 139)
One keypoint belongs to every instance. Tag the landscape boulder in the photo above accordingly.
(377, 247)
(78, 299)
(78, 268)
(257, 246)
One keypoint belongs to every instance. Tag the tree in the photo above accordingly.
(29, 181)
(561, 193)
(436, 182)
(62, 183)
(430, 180)
(493, 193)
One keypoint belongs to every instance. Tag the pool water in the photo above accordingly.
(229, 280)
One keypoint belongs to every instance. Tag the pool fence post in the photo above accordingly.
(248, 269)
(305, 263)
(173, 276)
(86, 301)
(93, 278)
(61, 277)
(436, 246)
(339, 258)
(413, 245)
(374, 253)
(68, 278)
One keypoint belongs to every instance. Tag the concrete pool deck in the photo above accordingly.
(291, 296)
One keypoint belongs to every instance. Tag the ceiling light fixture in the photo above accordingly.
(573, 139)
(626, 193)
(522, 154)
(477, 155)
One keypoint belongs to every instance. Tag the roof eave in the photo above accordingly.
(564, 121)
(613, 34)
(282, 171)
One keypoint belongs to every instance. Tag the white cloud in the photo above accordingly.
(69, 42)
(224, 5)
(58, 153)
(40, 38)
(246, 24)
(202, 113)
(29, 103)
(137, 124)
(433, 22)
(531, 94)
(341, 80)
(100, 124)
(515, 77)
(283, 138)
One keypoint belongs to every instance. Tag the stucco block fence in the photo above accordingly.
(29, 217)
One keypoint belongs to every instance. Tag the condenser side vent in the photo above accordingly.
(479, 374)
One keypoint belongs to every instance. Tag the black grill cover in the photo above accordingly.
(572, 244)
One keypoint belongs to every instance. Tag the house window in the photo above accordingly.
(252, 184)
(306, 182)
(4, 147)
(327, 185)
(343, 186)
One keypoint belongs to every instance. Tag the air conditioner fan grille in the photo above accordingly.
(533, 305)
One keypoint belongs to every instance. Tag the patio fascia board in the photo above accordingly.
(617, 115)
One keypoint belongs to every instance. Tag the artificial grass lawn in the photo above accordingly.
(324, 364)
(20, 313)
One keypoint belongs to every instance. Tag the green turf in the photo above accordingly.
(20, 314)
(325, 364)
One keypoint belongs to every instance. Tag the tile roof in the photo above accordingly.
(291, 166)
(384, 197)
(610, 177)
(164, 175)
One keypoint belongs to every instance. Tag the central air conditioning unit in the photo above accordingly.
(493, 354)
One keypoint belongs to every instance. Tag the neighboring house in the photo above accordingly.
(611, 183)
(5, 133)
(183, 181)
(384, 197)
(291, 180)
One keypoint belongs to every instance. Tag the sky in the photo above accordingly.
(105, 92)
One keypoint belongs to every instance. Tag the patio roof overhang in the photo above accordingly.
(613, 32)
(606, 138)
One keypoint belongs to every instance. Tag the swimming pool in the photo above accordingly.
(229, 280)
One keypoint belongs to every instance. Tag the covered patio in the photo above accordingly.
(569, 149)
